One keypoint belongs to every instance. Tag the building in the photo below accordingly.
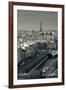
(20, 55)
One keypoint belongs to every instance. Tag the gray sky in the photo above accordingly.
(30, 20)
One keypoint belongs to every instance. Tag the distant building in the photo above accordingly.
(51, 45)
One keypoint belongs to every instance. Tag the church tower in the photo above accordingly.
(40, 26)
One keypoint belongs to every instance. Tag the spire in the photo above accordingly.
(40, 26)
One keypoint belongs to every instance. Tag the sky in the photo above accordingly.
(30, 20)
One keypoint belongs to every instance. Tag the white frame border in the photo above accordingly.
(38, 81)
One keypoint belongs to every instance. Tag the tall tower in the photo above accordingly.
(40, 26)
